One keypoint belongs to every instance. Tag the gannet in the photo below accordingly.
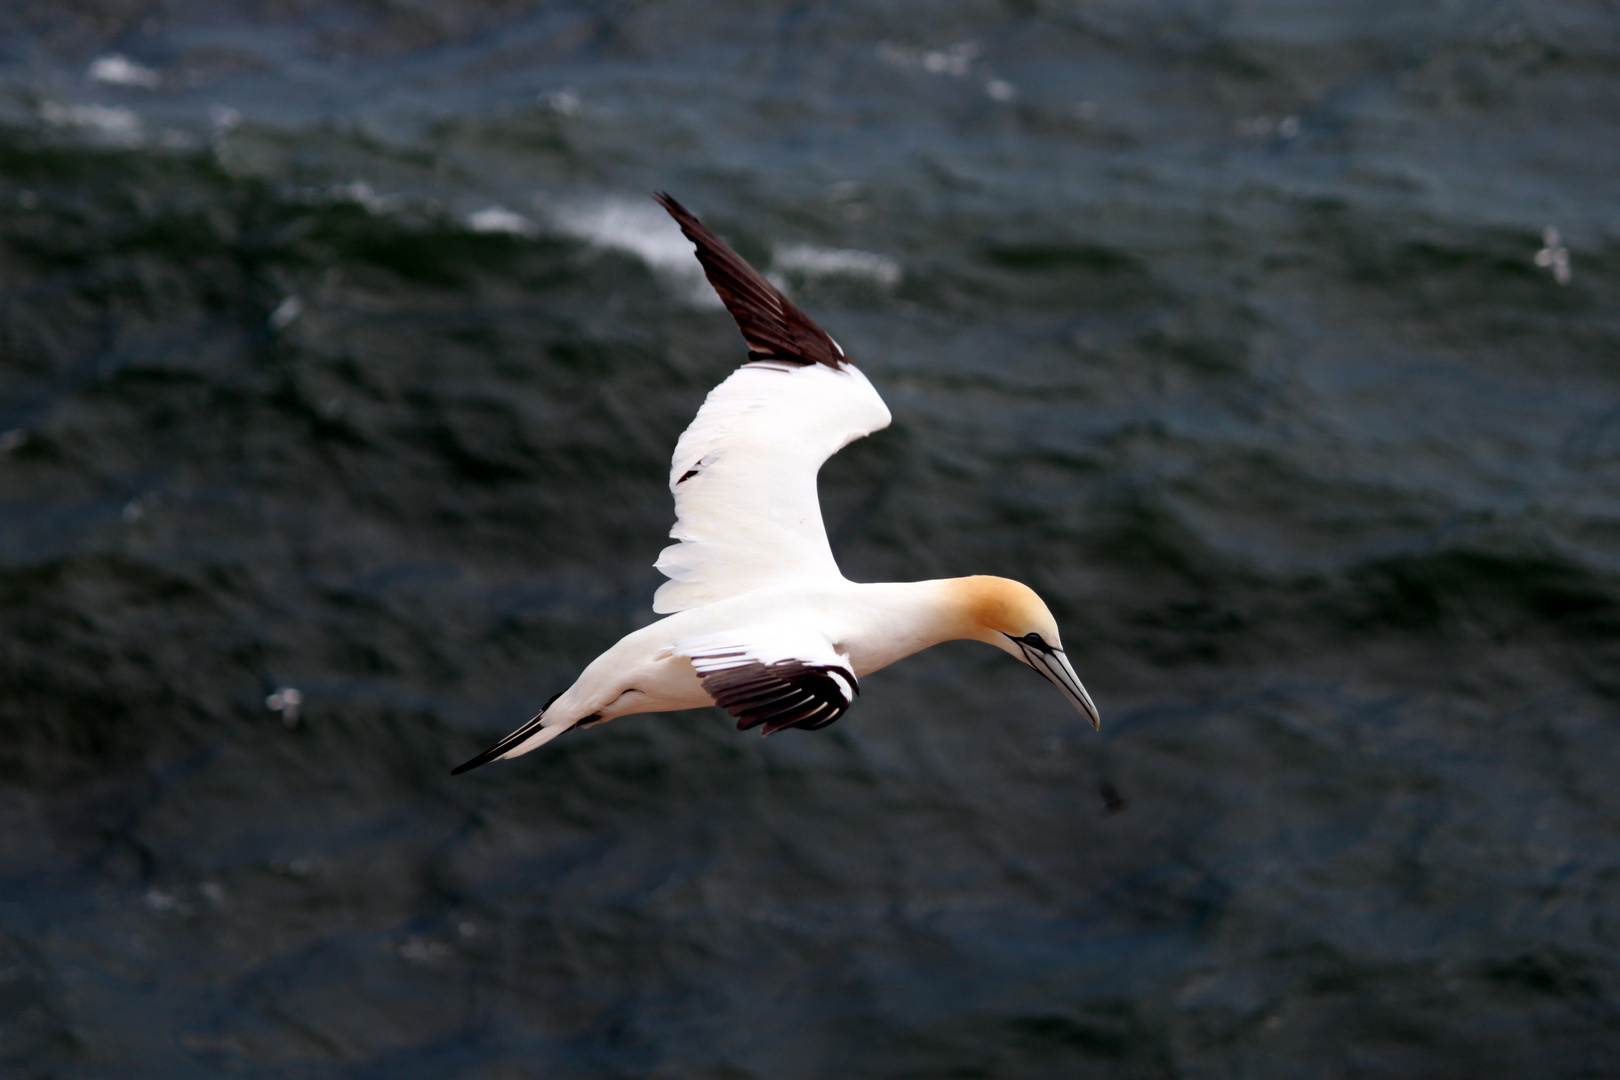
(759, 619)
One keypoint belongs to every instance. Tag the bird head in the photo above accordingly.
(1012, 617)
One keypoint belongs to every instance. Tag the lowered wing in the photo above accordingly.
(744, 472)
(776, 674)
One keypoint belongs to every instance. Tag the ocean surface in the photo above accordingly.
(342, 352)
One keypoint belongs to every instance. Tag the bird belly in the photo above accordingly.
(663, 684)
(874, 625)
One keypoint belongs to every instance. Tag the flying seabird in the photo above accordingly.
(759, 619)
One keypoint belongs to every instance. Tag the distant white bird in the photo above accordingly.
(760, 620)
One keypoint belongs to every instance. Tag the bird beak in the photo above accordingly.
(1055, 666)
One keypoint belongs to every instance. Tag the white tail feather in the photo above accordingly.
(535, 741)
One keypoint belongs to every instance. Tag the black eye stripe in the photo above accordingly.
(1034, 641)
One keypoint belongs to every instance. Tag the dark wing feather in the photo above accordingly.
(514, 738)
(501, 747)
(788, 694)
(774, 326)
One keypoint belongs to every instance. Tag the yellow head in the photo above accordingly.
(1009, 615)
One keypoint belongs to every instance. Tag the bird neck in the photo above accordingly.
(918, 614)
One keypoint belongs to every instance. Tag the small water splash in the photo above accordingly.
(563, 102)
(362, 193)
(286, 701)
(814, 262)
(1554, 255)
(498, 219)
(116, 69)
(955, 60)
(1264, 127)
(286, 313)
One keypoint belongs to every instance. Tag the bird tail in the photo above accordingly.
(535, 733)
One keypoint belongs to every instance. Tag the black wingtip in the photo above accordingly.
(774, 327)
(683, 217)
(511, 740)
(482, 759)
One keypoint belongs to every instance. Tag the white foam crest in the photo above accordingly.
(498, 219)
(956, 60)
(1001, 90)
(116, 69)
(564, 102)
(644, 231)
(114, 123)
(810, 261)
(362, 193)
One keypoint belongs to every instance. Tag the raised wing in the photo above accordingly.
(744, 472)
(774, 326)
(778, 675)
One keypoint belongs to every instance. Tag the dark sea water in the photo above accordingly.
(342, 350)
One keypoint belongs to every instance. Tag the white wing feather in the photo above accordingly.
(744, 477)
(761, 643)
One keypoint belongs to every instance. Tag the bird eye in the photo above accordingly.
(1032, 640)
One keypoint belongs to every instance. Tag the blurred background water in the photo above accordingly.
(1277, 345)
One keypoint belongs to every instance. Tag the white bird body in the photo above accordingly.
(759, 619)
(866, 626)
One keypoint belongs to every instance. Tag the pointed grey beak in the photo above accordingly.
(1055, 666)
